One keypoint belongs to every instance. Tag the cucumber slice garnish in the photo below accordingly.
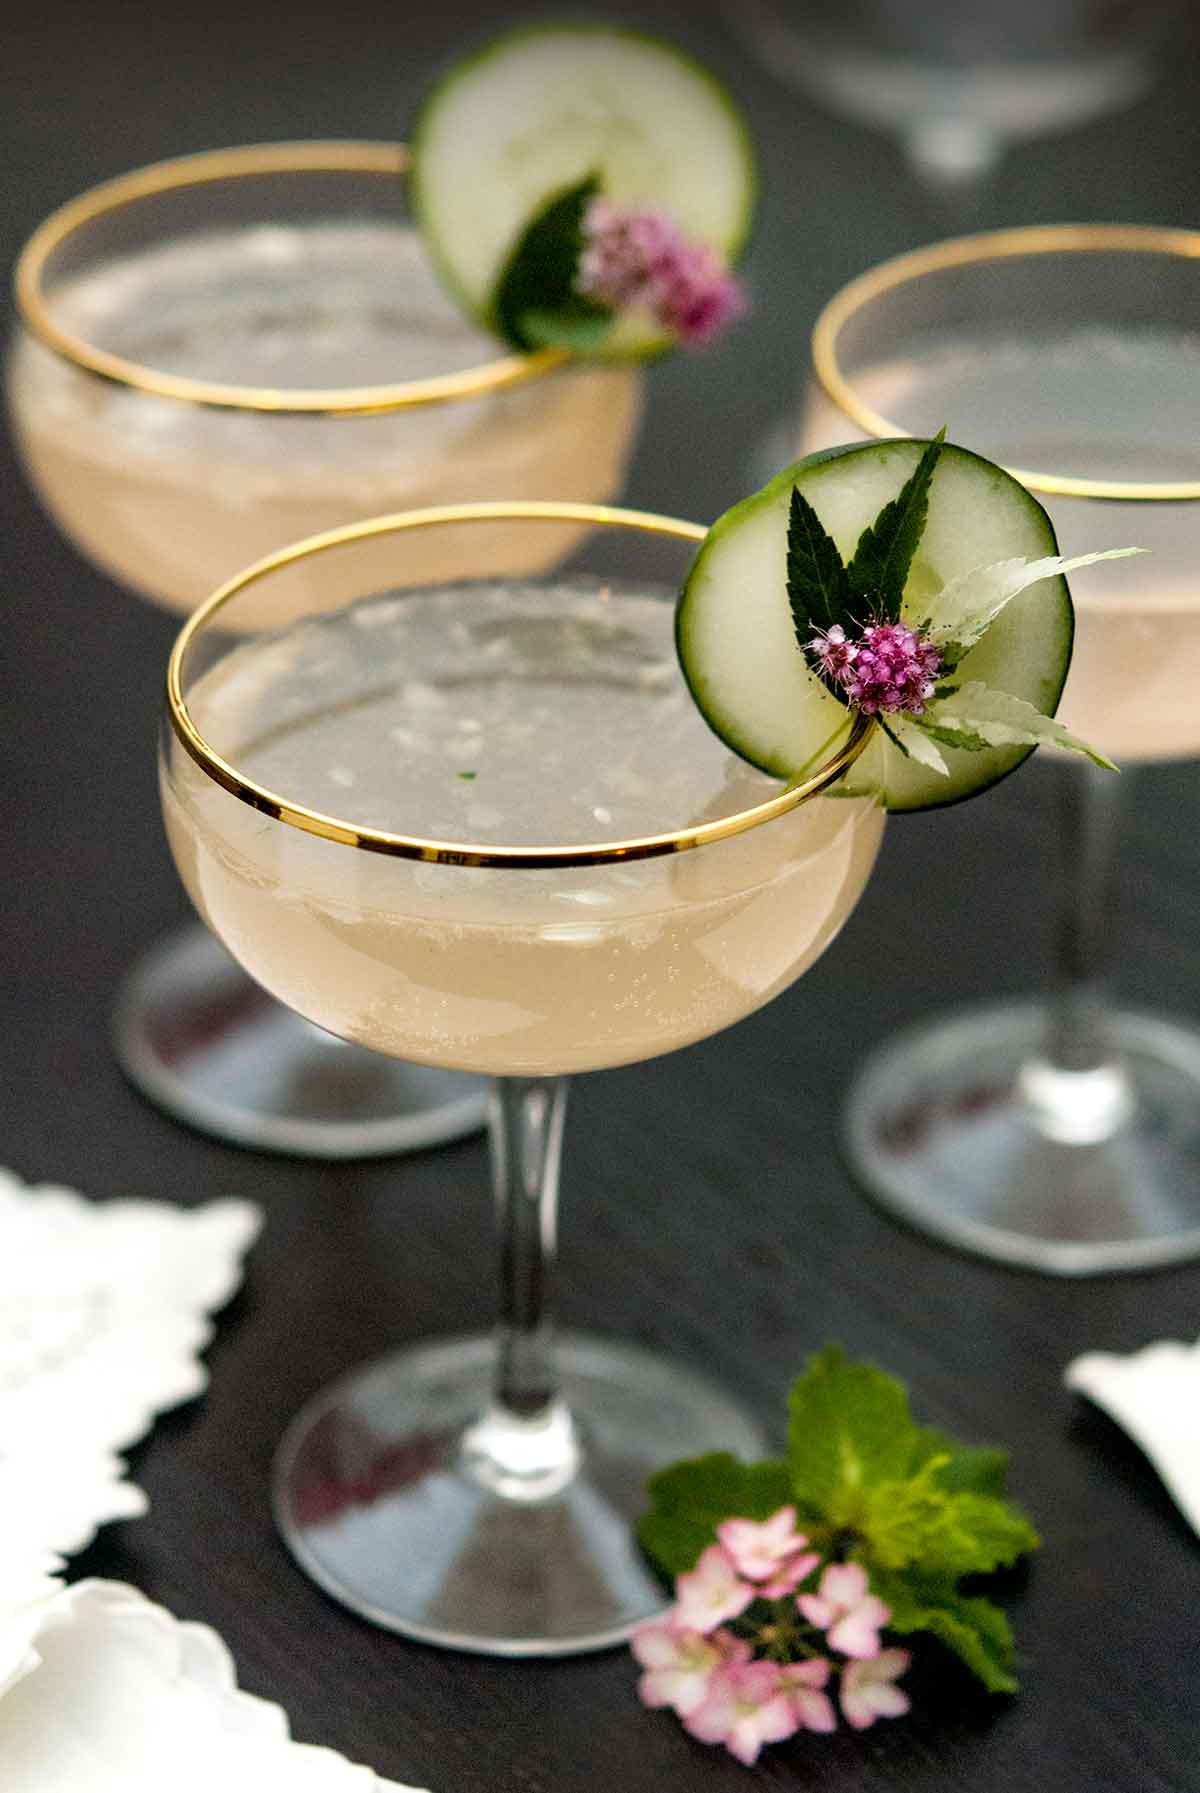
(541, 109)
(738, 645)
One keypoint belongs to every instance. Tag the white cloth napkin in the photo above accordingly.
(114, 1695)
(1154, 1394)
(104, 1309)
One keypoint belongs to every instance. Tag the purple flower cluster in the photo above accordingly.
(640, 259)
(889, 668)
(710, 1674)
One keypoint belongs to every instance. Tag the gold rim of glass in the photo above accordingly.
(995, 245)
(315, 157)
(405, 846)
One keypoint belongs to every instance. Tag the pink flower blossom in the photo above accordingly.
(792, 1572)
(836, 653)
(890, 668)
(747, 1705)
(710, 1594)
(844, 1608)
(770, 1552)
(869, 1689)
(639, 259)
(804, 1681)
(692, 294)
(679, 1664)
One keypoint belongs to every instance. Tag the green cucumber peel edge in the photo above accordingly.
(496, 44)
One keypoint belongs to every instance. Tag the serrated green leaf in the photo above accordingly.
(899, 1517)
(973, 1534)
(955, 1532)
(849, 1427)
(956, 736)
(978, 1469)
(970, 604)
(689, 1500)
(818, 590)
(976, 712)
(944, 1533)
(879, 570)
(974, 1628)
(915, 743)
(536, 289)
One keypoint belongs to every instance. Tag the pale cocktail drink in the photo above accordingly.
(1056, 1133)
(1099, 403)
(503, 712)
(218, 355)
(171, 497)
(481, 824)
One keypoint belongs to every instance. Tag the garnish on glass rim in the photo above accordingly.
(789, 1573)
(586, 187)
(950, 623)
(585, 262)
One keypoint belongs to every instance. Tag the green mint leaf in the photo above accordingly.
(466, 777)
(849, 1428)
(898, 1518)
(976, 1630)
(818, 590)
(879, 570)
(975, 1469)
(975, 1534)
(976, 712)
(918, 1510)
(536, 289)
(689, 1500)
(918, 1523)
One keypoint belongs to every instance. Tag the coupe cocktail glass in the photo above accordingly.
(220, 354)
(959, 81)
(481, 825)
(1063, 1134)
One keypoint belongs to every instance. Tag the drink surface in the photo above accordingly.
(501, 714)
(1096, 404)
(173, 497)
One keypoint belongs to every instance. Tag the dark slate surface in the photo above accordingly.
(707, 1211)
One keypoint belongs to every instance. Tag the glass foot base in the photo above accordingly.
(205, 1043)
(375, 1496)
(948, 1128)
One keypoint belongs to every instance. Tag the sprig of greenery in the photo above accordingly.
(824, 592)
(818, 589)
(536, 302)
(919, 1511)
(879, 570)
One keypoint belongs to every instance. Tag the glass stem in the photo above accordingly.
(1079, 1089)
(525, 1446)
(1089, 818)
